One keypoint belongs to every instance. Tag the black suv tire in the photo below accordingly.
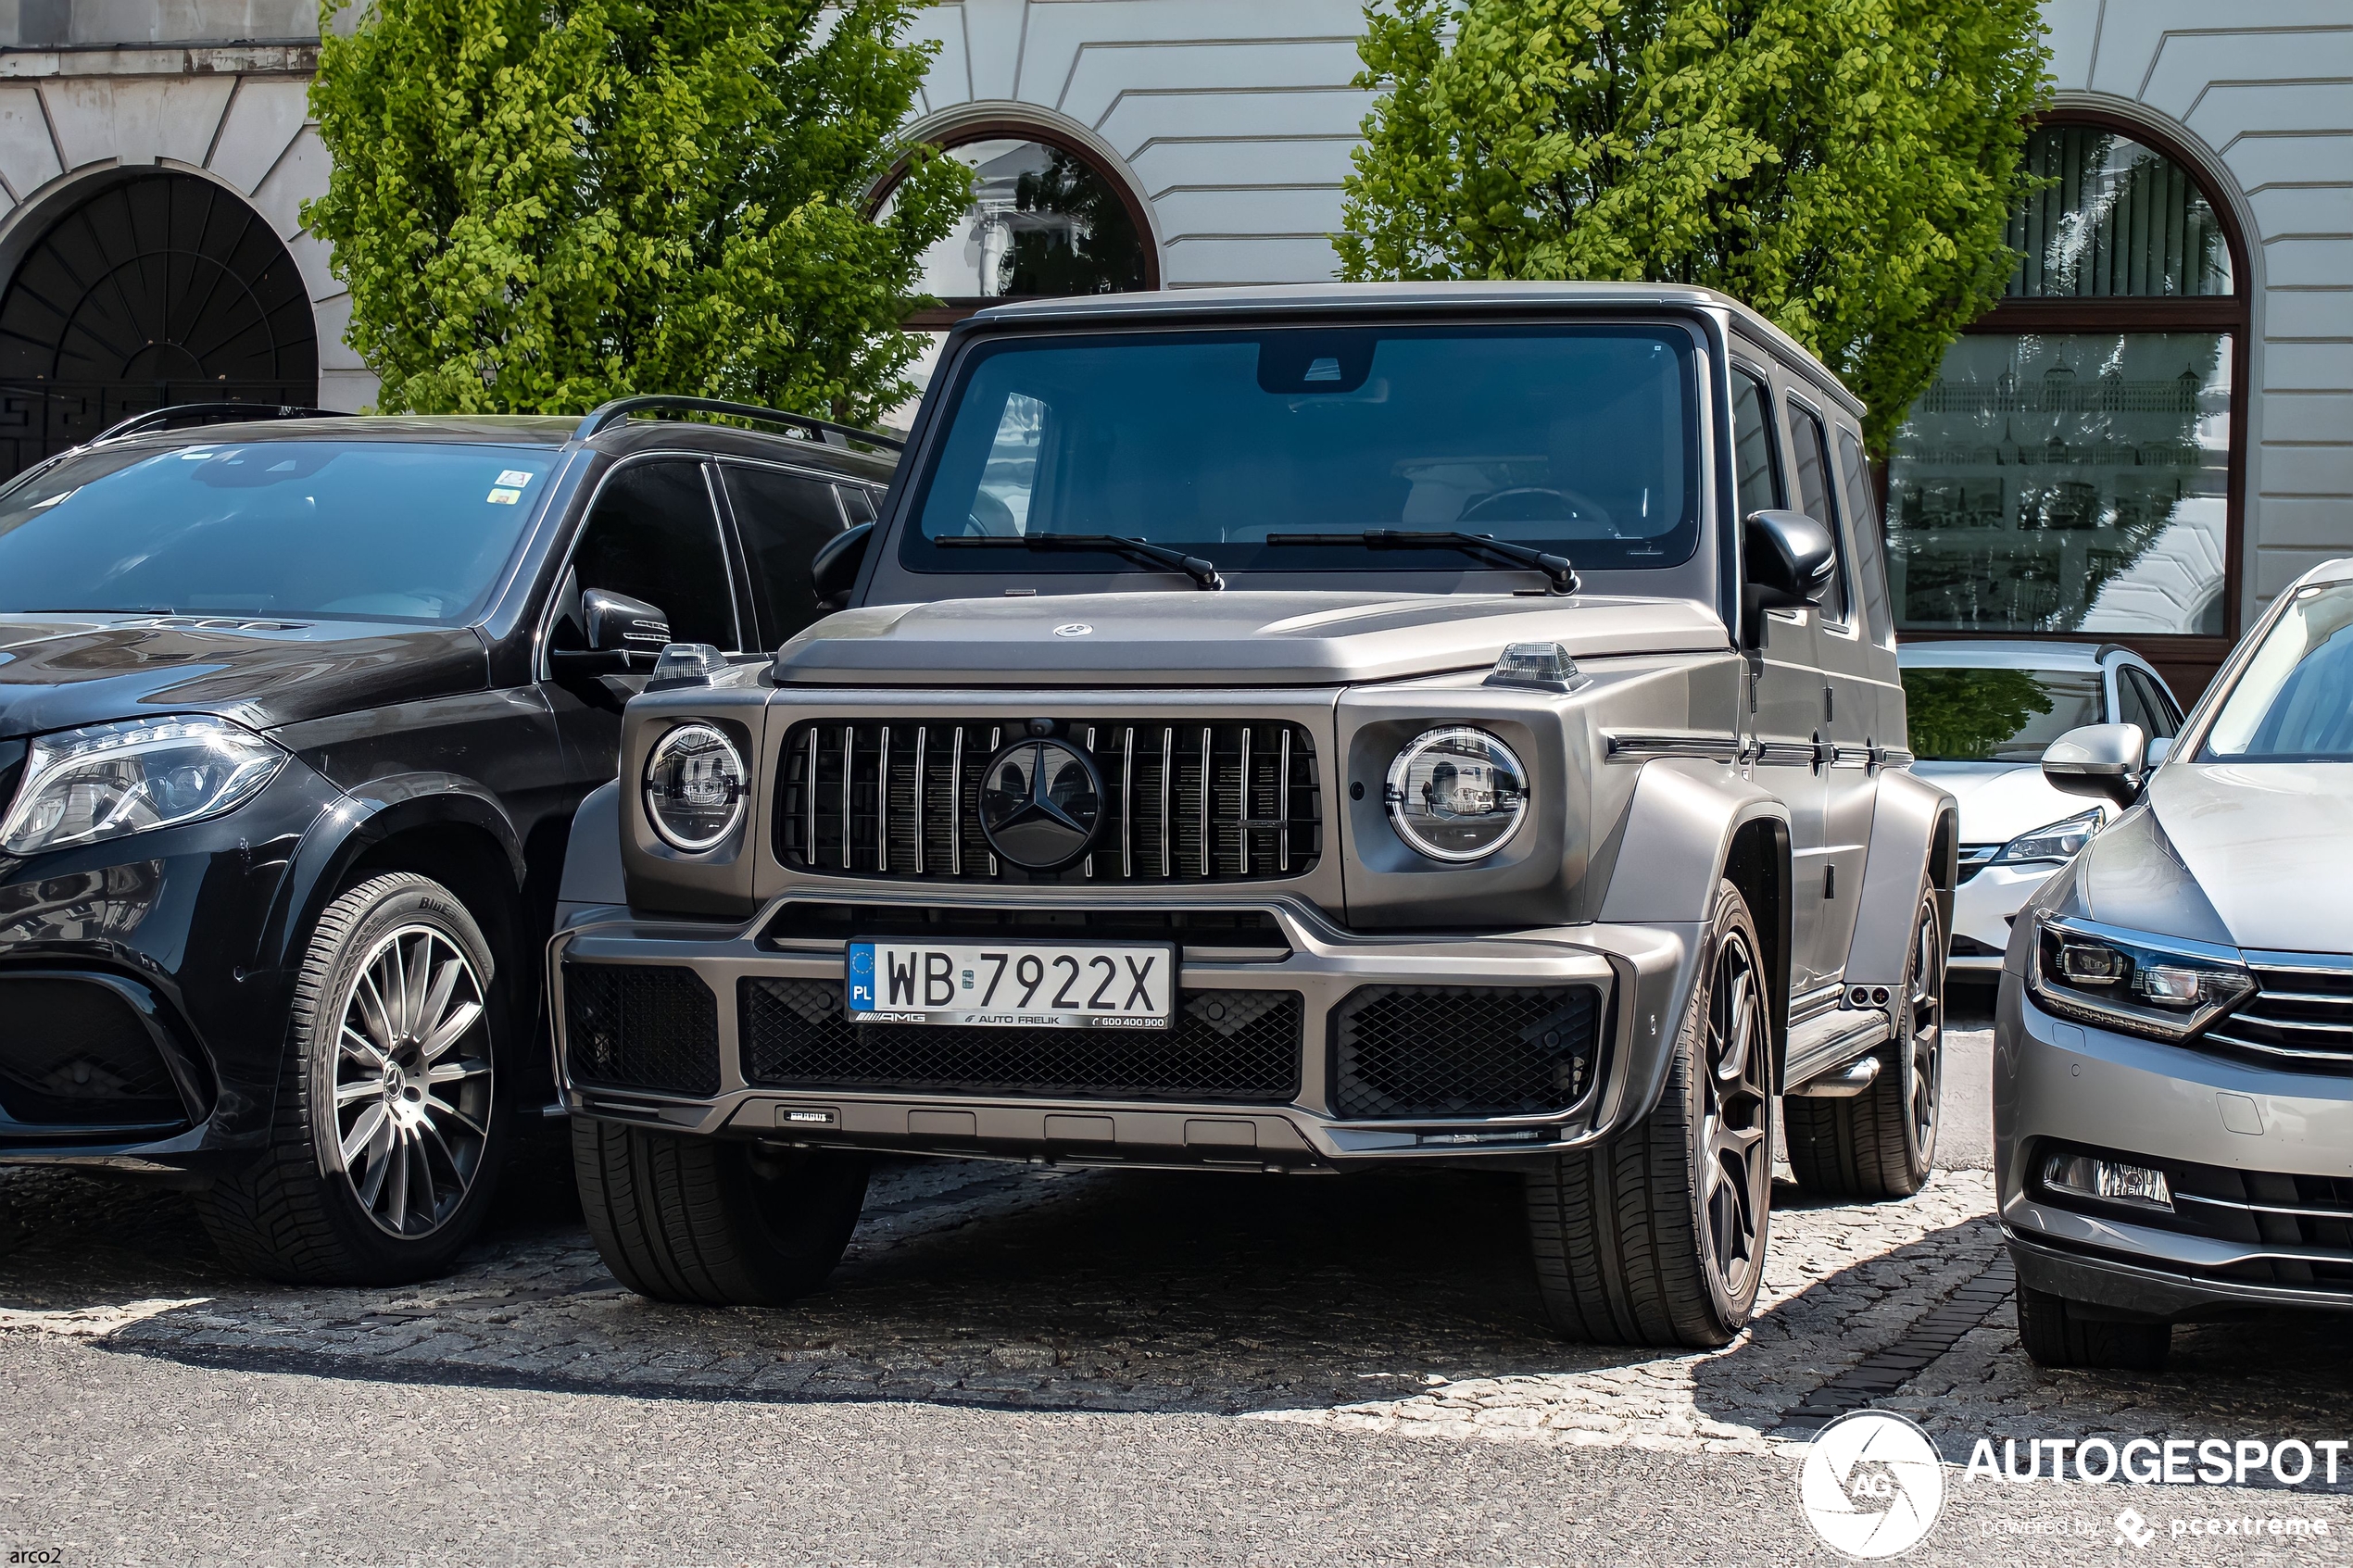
(714, 1222)
(2054, 1334)
(1659, 1236)
(424, 1116)
(1881, 1143)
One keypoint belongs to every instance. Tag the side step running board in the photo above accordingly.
(1847, 1082)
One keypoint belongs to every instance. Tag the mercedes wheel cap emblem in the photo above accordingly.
(1040, 804)
(1074, 629)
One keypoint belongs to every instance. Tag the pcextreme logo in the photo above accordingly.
(1872, 1485)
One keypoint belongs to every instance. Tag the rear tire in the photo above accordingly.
(2054, 1334)
(714, 1222)
(1659, 1237)
(1881, 1143)
(391, 1113)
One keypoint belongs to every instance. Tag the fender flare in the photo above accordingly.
(363, 819)
(1675, 846)
(1914, 838)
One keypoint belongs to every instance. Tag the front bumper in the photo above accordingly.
(1642, 974)
(142, 1027)
(2260, 1162)
(1984, 908)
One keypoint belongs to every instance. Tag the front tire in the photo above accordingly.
(1881, 1143)
(1659, 1237)
(2055, 1335)
(711, 1222)
(391, 1111)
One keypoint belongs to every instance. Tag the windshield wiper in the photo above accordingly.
(1204, 573)
(1557, 568)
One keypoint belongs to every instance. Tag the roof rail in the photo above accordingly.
(156, 419)
(609, 414)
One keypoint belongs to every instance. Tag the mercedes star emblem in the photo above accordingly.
(1040, 803)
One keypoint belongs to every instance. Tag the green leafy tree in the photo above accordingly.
(1846, 166)
(541, 204)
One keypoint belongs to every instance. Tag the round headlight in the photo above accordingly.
(694, 788)
(1457, 793)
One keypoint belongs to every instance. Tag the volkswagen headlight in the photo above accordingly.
(1457, 793)
(2058, 842)
(2166, 987)
(109, 780)
(694, 787)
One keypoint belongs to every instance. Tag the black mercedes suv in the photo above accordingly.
(295, 715)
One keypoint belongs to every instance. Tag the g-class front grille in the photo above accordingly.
(1180, 802)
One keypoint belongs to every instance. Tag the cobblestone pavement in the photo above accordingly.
(1378, 1303)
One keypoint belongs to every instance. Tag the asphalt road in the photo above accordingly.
(155, 1411)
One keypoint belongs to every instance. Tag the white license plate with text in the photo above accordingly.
(1014, 984)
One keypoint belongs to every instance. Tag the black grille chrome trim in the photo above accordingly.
(1230, 800)
(2301, 1015)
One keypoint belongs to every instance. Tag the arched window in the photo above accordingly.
(1045, 220)
(2074, 468)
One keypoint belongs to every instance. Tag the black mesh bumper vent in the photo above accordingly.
(1238, 1048)
(75, 1053)
(1463, 1050)
(642, 1026)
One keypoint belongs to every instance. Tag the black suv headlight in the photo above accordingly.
(696, 787)
(2166, 987)
(111, 780)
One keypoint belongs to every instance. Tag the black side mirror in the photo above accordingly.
(2105, 762)
(617, 624)
(833, 570)
(1791, 560)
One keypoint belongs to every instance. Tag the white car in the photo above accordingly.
(1981, 714)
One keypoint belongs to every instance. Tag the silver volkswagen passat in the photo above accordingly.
(2173, 1068)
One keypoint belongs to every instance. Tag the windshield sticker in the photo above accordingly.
(504, 497)
(515, 478)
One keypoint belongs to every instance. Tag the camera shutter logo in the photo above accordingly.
(1872, 1485)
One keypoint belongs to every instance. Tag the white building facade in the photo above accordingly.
(2150, 437)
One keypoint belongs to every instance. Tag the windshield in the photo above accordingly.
(1967, 715)
(1580, 440)
(336, 529)
(2293, 703)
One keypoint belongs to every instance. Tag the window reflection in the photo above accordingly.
(1043, 221)
(2066, 482)
(2117, 218)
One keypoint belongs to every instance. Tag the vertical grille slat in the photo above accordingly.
(1228, 801)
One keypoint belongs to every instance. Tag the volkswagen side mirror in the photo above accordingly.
(1791, 559)
(2104, 762)
(833, 570)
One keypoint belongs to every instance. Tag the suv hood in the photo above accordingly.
(2000, 800)
(1231, 638)
(58, 671)
(2253, 856)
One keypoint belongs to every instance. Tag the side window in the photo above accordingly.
(1756, 471)
(1862, 513)
(1810, 457)
(2131, 701)
(857, 503)
(654, 537)
(2147, 707)
(782, 519)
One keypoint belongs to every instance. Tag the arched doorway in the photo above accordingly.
(159, 289)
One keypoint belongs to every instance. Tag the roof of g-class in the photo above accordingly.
(1312, 299)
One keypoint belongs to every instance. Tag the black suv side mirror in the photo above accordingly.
(1791, 559)
(833, 570)
(617, 624)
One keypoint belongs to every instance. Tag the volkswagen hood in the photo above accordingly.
(2252, 855)
(1228, 639)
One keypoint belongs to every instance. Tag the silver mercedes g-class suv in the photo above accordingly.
(1293, 731)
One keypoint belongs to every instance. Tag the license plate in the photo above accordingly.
(1012, 985)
